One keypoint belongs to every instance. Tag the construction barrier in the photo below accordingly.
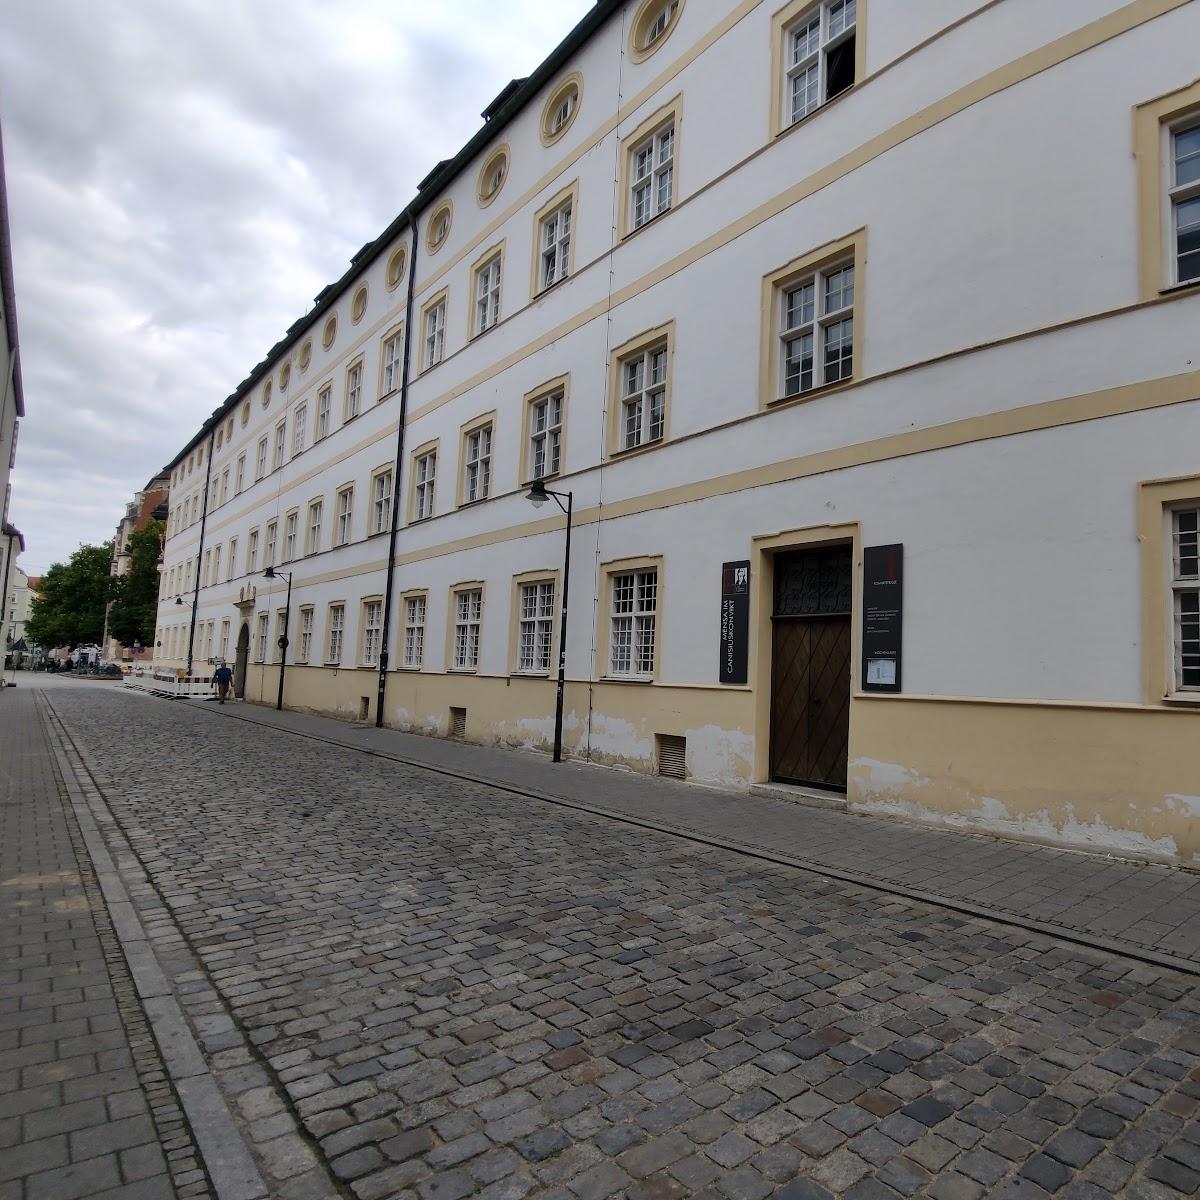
(170, 683)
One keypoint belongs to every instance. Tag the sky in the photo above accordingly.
(183, 177)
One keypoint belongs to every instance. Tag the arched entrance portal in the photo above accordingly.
(239, 665)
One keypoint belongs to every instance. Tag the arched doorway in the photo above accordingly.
(239, 665)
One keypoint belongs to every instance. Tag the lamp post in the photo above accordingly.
(538, 494)
(271, 573)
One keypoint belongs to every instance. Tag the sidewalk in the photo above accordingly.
(85, 1109)
(1149, 911)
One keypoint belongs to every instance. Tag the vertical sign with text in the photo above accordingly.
(735, 621)
(883, 617)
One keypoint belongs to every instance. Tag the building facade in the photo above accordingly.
(12, 398)
(151, 503)
(864, 337)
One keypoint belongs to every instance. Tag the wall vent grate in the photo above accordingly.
(458, 722)
(672, 756)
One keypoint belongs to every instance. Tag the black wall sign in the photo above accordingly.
(735, 620)
(883, 617)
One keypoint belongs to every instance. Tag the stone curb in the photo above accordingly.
(227, 1158)
(1064, 933)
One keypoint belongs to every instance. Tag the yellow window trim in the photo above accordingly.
(501, 153)
(664, 333)
(487, 419)
(573, 80)
(672, 111)
(496, 251)
(470, 585)
(559, 383)
(622, 566)
(851, 247)
(403, 598)
(423, 449)
(639, 27)
(1156, 498)
(439, 297)
(384, 338)
(545, 575)
(571, 193)
(1150, 122)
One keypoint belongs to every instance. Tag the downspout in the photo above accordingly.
(212, 433)
(397, 491)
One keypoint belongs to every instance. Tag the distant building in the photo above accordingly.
(149, 504)
(12, 400)
(16, 614)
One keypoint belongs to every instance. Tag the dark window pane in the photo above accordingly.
(840, 68)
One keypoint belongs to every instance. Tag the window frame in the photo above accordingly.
(486, 309)
(335, 628)
(548, 133)
(440, 300)
(652, 127)
(477, 426)
(279, 451)
(305, 616)
(417, 483)
(324, 408)
(252, 540)
(611, 571)
(313, 526)
(299, 429)
(561, 386)
(535, 578)
(366, 604)
(344, 515)
(564, 197)
(851, 248)
(270, 540)
(394, 336)
(291, 528)
(239, 483)
(262, 454)
(1154, 123)
(502, 155)
(262, 636)
(352, 399)
(453, 624)
(376, 526)
(639, 346)
(406, 598)
(639, 49)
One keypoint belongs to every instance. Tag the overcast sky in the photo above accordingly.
(183, 177)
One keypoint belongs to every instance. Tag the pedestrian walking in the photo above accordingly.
(222, 678)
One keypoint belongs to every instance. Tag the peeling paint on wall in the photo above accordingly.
(724, 757)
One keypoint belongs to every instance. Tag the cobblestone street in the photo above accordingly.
(407, 985)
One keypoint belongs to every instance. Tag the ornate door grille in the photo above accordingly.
(810, 668)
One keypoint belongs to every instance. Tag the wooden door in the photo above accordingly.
(239, 662)
(810, 668)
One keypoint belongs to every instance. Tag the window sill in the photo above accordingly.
(616, 452)
(529, 675)
(816, 112)
(549, 287)
(812, 394)
(410, 670)
(472, 503)
(462, 671)
(1184, 699)
(1176, 288)
(640, 680)
(633, 232)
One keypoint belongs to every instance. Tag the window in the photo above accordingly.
(260, 639)
(280, 627)
(312, 538)
(306, 629)
(224, 485)
(252, 552)
(345, 515)
(561, 108)
(487, 295)
(477, 463)
(207, 571)
(231, 569)
(358, 305)
(209, 631)
(381, 502)
(372, 628)
(299, 429)
(353, 391)
(435, 332)
(545, 434)
(240, 477)
(285, 376)
(643, 384)
(438, 229)
(323, 400)
(1185, 588)
(651, 26)
(414, 631)
(468, 610)
(652, 175)
(1185, 201)
(289, 537)
(260, 468)
(424, 472)
(492, 176)
(634, 605)
(818, 57)
(269, 545)
(816, 329)
(395, 267)
(306, 354)
(535, 628)
(337, 622)
(280, 445)
(555, 240)
(224, 650)
(393, 362)
(329, 332)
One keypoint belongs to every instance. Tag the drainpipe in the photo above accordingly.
(212, 433)
(397, 491)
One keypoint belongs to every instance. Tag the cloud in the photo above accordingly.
(183, 178)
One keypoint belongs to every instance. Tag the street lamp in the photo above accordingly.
(538, 494)
(271, 573)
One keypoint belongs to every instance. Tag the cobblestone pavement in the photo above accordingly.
(459, 992)
(85, 1107)
(1133, 906)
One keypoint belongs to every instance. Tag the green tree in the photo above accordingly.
(70, 609)
(135, 595)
